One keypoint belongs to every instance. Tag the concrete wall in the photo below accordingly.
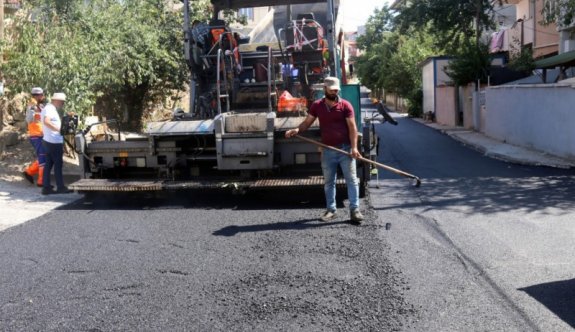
(446, 111)
(466, 105)
(546, 38)
(442, 77)
(567, 43)
(523, 10)
(537, 116)
(428, 87)
(396, 102)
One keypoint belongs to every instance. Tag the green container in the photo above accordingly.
(350, 92)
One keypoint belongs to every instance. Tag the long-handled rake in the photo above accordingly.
(365, 160)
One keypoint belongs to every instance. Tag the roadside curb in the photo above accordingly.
(496, 149)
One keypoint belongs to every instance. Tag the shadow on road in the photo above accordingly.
(295, 225)
(493, 194)
(557, 296)
(203, 199)
(457, 177)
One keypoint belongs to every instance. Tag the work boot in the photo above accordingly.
(28, 177)
(328, 215)
(48, 191)
(356, 216)
(33, 168)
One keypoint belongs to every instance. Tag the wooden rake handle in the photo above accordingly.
(365, 160)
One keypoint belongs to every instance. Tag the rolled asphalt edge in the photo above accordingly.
(497, 149)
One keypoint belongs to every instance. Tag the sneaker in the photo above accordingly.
(328, 215)
(64, 190)
(28, 177)
(356, 216)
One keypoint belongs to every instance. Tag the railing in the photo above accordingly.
(219, 83)
(221, 56)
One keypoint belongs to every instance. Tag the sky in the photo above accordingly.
(356, 12)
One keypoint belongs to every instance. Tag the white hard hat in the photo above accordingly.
(37, 91)
(59, 96)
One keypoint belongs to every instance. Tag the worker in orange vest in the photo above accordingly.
(35, 135)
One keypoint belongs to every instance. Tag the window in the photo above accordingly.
(247, 12)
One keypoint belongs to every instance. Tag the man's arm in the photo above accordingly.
(30, 114)
(49, 123)
(352, 128)
(302, 126)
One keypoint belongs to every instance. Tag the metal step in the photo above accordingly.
(108, 185)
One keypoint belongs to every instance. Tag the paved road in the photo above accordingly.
(482, 245)
(485, 245)
(208, 261)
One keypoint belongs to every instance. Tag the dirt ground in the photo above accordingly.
(16, 158)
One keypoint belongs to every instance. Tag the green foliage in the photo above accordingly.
(521, 59)
(379, 44)
(391, 60)
(378, 24)
(396, 43)
(404, 72)
(452, 22)
(561, 12)
(416, 104)
(470, 64)
(128, 53)
(372, 67)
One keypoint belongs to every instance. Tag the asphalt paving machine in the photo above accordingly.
(244, 96)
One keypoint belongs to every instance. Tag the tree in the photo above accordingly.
(451, 21)
(377, 25)
(404, 75)
(375, 63)
(391, 60)
(126, 53)
(378, 44)
(521, 58)
(471, 64)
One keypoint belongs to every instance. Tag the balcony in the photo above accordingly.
(521, 33)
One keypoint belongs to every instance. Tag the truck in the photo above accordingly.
(244, 96)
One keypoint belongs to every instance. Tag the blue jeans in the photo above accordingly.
(329, 161)
(55, 158)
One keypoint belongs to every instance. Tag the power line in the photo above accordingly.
(537, 31)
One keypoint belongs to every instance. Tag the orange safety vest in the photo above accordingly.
(35, 126)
